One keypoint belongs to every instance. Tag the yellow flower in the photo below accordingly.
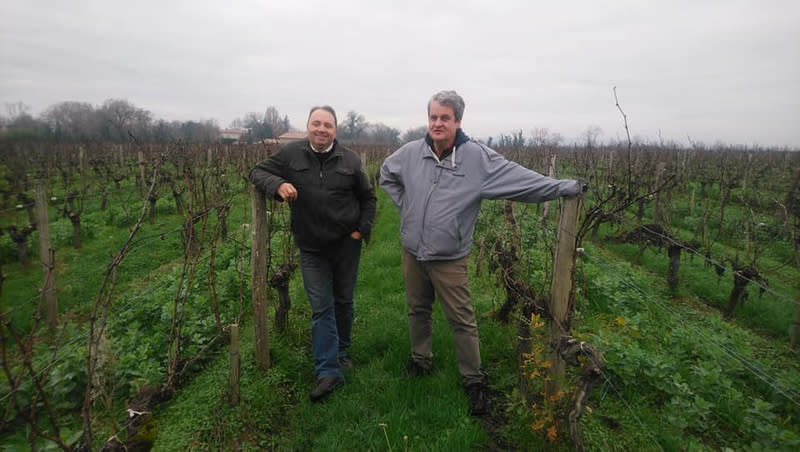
(539, 424)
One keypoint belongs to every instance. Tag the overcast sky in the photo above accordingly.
(716, 70)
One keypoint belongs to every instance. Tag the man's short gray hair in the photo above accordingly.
(449, 99)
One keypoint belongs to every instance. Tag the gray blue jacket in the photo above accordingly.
(439, 200)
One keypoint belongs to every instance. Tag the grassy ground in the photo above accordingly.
(378, 408)
(678, 377)
(78, 270)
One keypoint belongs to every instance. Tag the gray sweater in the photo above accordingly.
(439, 200)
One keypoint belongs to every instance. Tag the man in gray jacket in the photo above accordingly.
(438, 183)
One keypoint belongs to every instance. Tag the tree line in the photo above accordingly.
(119, 120)
(115, 120)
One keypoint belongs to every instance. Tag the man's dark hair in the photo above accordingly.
(327, 108)
(449, 99)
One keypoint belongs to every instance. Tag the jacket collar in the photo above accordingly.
(461, 138)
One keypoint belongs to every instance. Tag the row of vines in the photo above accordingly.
(151, 252)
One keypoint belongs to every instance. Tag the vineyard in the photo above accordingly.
(130, 312)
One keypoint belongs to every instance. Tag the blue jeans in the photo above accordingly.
(329, 278)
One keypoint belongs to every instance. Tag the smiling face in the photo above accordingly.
(442, 125)
(321, 129)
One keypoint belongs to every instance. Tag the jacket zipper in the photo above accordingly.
(436, 174)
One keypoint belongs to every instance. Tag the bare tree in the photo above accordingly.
(73, 121)
(276, 124)
(16, 109)
(382, 134)
(414, 134)
(590, 136)
(123, 118)
(353, 126)
(541, 137)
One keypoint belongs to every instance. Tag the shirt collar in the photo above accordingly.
(326, 150)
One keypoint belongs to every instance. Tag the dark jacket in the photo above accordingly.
(334, 198)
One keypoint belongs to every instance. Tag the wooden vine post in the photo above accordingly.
(796, 327)
(258, 270)
(657, 204)
(235, 365)
(551, 172)
(363, 155)
(142, 180)
(84, 171)
(563, 266)
(792, 200)
(48, 256)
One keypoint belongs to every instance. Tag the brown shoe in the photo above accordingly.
(325, 386)
(415, 369)
(478, 399)
(345, 363)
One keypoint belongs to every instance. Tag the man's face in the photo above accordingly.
(321, 129)
(442, 124)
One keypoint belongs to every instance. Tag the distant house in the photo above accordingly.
(233, 135)
(291, 136)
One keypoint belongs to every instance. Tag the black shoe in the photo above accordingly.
(416, 369)
(345, 363)
(478, 399)
(325, 386)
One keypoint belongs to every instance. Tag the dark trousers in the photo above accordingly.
(329, 278)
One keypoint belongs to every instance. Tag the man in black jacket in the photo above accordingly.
(332, 209)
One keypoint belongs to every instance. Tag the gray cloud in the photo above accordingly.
(712, 70)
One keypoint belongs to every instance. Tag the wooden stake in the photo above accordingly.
(47, 255)
(142, 181)
(363, 155)
(551, 172)
(657, 207)
(258, 271)
(84, 171)
(796, 327)
(235, 365)
(563, 269)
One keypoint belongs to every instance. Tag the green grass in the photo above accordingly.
(771, 313)
(668, 354)
(670, 381)
(276, 413)
(158, 243)
(685, 375)
(140, 306)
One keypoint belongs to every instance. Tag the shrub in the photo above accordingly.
(119, 217)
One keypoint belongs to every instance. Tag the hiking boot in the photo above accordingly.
(416, 369)
(478, 399)
(345, 363)
(325, 386)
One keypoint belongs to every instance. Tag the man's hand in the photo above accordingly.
(355, 235)
(287, 192)
(582, 188)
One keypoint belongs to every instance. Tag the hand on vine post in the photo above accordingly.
(287, 192)
(582, 188)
